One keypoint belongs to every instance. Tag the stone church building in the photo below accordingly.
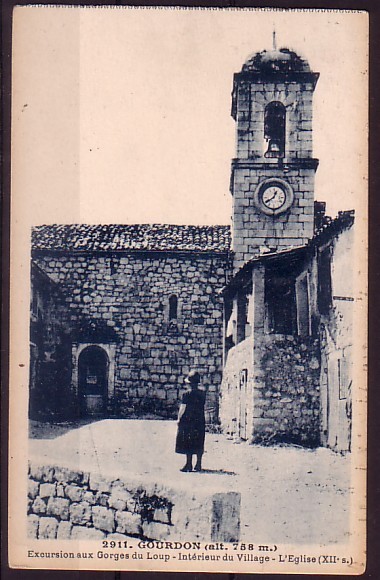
(121, 313)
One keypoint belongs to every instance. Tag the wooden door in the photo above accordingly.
(93, 381)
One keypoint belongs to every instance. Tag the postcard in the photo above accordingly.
(188, 290)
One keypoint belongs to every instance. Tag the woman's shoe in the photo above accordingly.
(186, 468)
(197, 468)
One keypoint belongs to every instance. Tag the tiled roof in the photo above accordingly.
(333, 226)
(131, 237)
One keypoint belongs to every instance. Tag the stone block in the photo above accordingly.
(99, 483)
(295, 233)
(156, 530)
(47, 490)
(102, 499)
(32, 526)
(83, 533)
(74, 493)
(64, 531)
(306, 218)
(128, 523)
(58, 506)
(172, 395)
(125, 373)
(262, 423)
(89, 497)
(63, 474)
(274, 412)
(39, 506)
(33, 487)
(120, 498)
(103, 518)
(47, 529)
(162, 515)
(41, 473)
(80, 513)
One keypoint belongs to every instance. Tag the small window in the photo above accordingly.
(274, 129)
(302, 298)
(242, 307)
(324, 282)
(280, 298)
(34, 305)
(173, 307)
(230, 315)
(243, 379)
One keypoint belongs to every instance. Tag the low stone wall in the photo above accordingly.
(65, 504)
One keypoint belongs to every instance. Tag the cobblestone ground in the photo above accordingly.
(289, 494)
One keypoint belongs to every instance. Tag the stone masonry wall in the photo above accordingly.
(64, 504)
(287, 390)
(130, 294)
(252, 228)
(252, 100)
(281, 400)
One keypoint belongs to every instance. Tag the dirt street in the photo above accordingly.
(289, 494)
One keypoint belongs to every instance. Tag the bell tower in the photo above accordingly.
(272, 180)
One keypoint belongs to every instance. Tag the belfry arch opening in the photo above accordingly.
(274, 129)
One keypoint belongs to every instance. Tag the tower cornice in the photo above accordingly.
(283, 165)
(277, 76)
(273, 77)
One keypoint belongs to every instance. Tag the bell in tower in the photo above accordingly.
(272, 180)
(274, 129)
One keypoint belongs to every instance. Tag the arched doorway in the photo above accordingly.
(92, 381)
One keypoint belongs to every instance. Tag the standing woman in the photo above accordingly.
(191, 424)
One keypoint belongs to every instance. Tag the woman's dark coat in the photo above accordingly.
(191, 428)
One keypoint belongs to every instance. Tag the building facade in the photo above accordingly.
(288, 322)
(50, 348)
(288, 344)
(144, 309)
(259, 310)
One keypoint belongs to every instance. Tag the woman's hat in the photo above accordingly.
(193, 378)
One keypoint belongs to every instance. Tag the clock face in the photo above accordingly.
(273, 197)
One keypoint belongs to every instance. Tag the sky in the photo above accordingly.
(123, 115)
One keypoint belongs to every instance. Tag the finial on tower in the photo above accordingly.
(274, 40)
